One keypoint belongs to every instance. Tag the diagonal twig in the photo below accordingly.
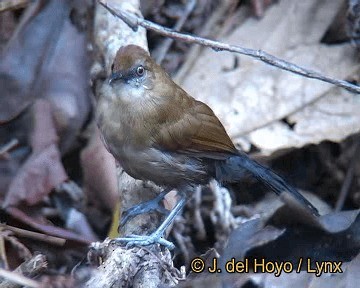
(35, 235)
(134, 21)
(8, 146)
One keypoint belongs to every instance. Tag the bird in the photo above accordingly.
(158, 132)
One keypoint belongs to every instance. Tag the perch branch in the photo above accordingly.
(134, 22)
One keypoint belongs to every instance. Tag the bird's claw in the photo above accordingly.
(144, 240)
(155, 237)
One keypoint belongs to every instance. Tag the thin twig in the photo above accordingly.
(35, 235)
(134, 21)
(8, 146)
(345, 188)
(165, 46)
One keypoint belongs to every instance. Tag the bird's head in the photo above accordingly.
(137, 80)
(133, 68)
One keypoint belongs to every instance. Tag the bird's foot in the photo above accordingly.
(156, 236)
(145, 240)
(146, 207)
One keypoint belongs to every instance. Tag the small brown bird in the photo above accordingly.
(160, 133)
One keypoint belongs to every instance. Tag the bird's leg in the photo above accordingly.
(157, 235)
(145, 207)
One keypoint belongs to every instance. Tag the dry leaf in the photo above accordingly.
(255, 96)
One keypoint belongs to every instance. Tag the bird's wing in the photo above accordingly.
(198, 132)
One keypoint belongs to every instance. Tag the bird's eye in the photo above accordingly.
(140, 71)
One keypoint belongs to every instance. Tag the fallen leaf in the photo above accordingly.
(274, 109)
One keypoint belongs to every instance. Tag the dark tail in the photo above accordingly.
(234, 168)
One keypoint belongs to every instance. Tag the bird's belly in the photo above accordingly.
(162, 168)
